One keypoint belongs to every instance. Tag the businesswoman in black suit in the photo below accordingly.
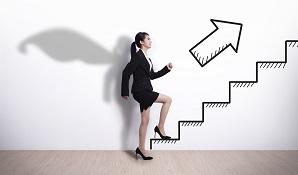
(141, 67)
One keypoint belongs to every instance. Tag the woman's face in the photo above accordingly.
(147, 42)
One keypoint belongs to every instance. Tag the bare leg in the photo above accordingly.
(166, 103)
(143, 129)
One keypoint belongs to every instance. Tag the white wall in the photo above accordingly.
(61, 64)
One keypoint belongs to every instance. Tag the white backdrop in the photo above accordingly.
(61, 64)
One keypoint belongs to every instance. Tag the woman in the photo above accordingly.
(141, 67)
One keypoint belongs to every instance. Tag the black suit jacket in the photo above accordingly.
(139, 67)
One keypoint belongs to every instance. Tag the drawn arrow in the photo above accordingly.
(226, 34)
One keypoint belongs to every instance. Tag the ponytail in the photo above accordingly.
(133, 49)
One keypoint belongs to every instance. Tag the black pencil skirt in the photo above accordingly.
(145, 99)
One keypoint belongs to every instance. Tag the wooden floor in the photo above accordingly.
(164, 162)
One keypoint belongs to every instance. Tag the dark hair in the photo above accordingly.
(139, 37)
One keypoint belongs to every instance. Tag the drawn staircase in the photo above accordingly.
(232, 84)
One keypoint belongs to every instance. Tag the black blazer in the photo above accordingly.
(139, 67)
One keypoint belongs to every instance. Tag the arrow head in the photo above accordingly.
(230, 31)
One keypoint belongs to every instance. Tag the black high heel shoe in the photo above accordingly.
(138, 151)
(156, 129)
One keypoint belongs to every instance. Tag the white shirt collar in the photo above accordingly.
(146, 56)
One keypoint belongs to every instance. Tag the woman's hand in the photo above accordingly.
(125, 97)
(170, 66)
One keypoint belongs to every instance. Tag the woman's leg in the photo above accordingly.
(143, 129)
(166, 103)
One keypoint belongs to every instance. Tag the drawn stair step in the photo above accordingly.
(271, 65)
(191, 123)
(216, 104)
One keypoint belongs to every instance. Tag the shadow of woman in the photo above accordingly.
(65, 45)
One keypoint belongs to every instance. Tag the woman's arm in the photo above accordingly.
(162, 72)
(126, 73)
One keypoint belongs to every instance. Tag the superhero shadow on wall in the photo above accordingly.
(65, 45)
